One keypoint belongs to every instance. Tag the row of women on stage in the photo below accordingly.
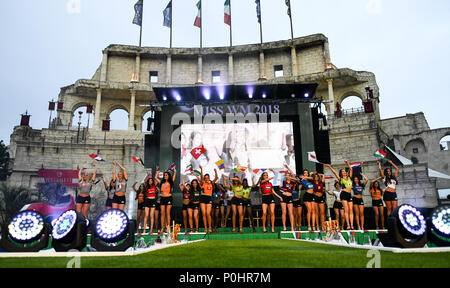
(210, 198)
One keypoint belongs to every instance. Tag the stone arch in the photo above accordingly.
(118, 121)
(86, 120)
(444, 141)
(143, 119)
(416, 143)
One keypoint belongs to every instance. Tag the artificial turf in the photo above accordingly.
(256, 253)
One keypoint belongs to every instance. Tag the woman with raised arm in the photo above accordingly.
(150, 201)
(140, 195)
(308, 197)
(206, 198)
(391, 182)
(120, 182)
(337, 206)
(358, 203)
(287, 202)
(266, 189)
(84, 190)
(166, 202)
(345, 180)
(237, 201)
(297, 206)
(110, 191)
(194, 204)
(247, 204)
(217, 208)
(184, 188)
(319, 198)
(377, 203)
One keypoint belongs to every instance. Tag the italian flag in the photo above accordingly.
(380, 154)
(227, 17)
(198, 22)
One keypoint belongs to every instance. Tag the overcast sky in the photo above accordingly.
(49, 44)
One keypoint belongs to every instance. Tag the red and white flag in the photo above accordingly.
(312, 157)
(380, 154)
(227, 16)
(96, 157)
(198, 21)
(355, 165)
(197, 152)
(138, 160)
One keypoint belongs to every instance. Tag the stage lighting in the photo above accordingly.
(292, 95)
(250, 91)
(206, 93)
(165, 98)
(113, 231)
(69, 232)
(264, 95)
(407, 227)
(439, 226)
(26, 232)
(307, 95)
(221, 91)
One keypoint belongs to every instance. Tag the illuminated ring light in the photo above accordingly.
(64, 224)
(412, 221)
(439, 226)
(111, 225)
(26, 227)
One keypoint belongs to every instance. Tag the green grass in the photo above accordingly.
(245, 254)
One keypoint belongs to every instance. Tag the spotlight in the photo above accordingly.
(306, 95)
(264, 95)
(26, 232)
(113, 231)
(165, 98)
(69, 232)
(206, 93)
(221, 91)
(250, 91)
(439, 226)
(292, 95)
(407, 227)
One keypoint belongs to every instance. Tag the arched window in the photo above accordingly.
(119, 119)
(82, 118)
(445, 143)
(352, 104)
(145, 122)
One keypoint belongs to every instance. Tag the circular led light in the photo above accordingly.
(111, 225)
(64, 224)
(26, 226)
(412, 220)
(440, 220)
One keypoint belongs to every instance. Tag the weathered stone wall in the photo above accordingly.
(311, 60)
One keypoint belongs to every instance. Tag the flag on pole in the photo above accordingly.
(197, 152)
(220, 164)
(196, 172)
(380, 154)
(138, 160)
(138, 12)
(288, 4)
(227, 17)
(172, 167)
(168, 15)
(96, 157)
(198, 22)
(240, 169)
(258, 10)
(312, 157)
(355, 165)
(189, 168)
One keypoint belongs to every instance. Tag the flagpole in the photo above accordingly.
(260, 23)
(171, 24)
(231, 33)
(201, 24)
(290, 17)
(142, 20)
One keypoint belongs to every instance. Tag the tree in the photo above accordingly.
(12, 199)
(4, 159)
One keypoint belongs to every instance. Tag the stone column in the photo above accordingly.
(132, 111)
(169, 69)
(331, 97)
(137, 69)
(294, 61)
(200, 69)
(262, 75)
(97, 111)
(230, 69)
(104, 69)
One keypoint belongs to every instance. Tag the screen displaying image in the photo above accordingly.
(250, 145)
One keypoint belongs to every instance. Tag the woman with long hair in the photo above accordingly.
(319, 198)
(120, 181)
(297, 206)
(391, 182)
(345, 180)
(337, 205)
(109, 193)
(150, 202)
(140, 195)
(166, 202)
(287, 202)
(377, 203)
(84, 190)
(247, 204)
(217, 208)
(237, 201)
(184, 188)
(358, 203)
(206, 198)
(194, 204)
(268, 202)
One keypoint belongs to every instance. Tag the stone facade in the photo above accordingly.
(122, 82)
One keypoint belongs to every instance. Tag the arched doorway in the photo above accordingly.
(119, 118)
